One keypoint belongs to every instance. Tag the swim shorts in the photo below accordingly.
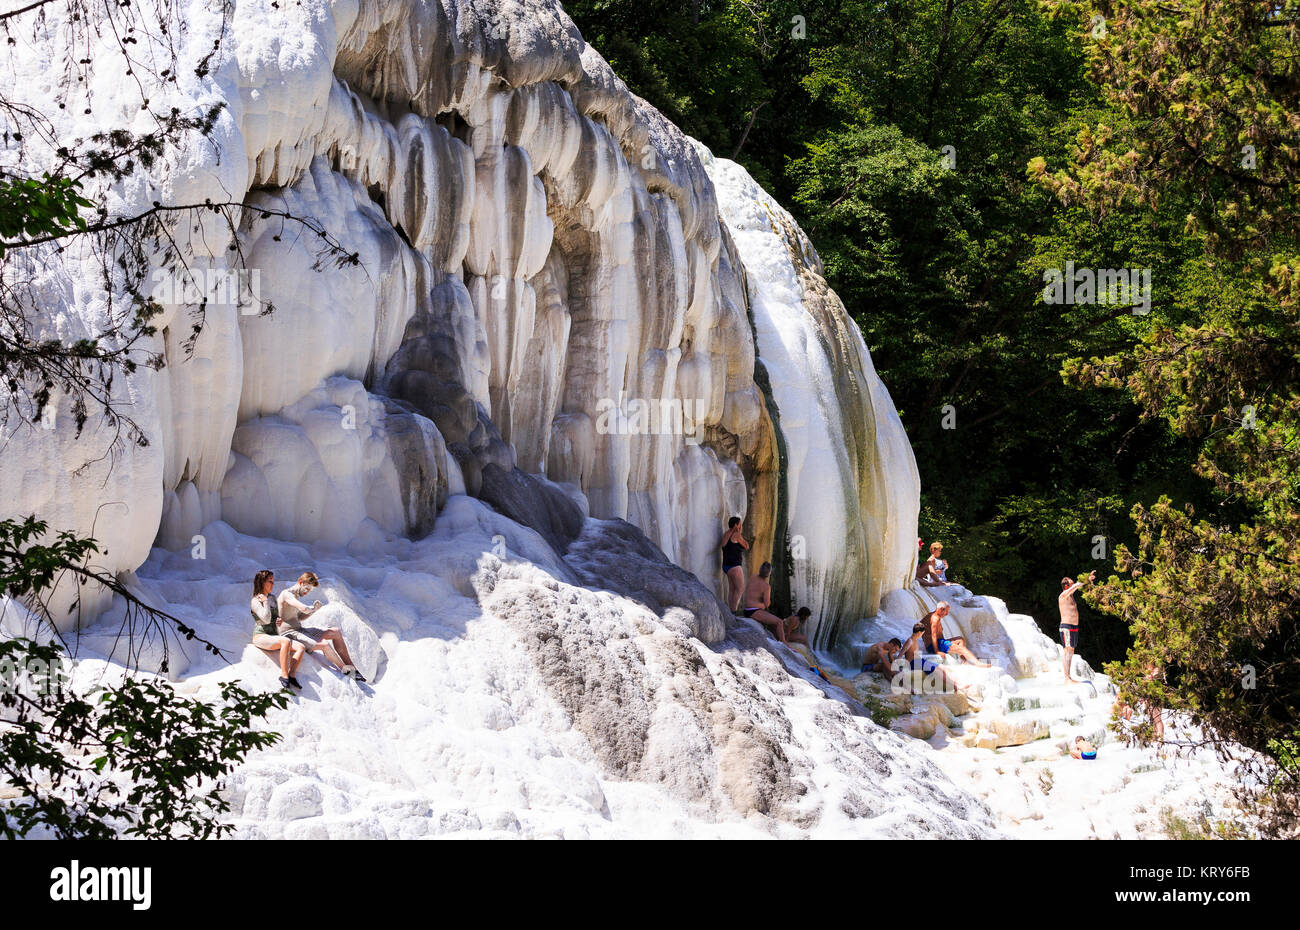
(924, 665)
(945, 645)
(1070, 637)
(309, 636)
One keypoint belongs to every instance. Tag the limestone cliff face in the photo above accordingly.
(547, 299)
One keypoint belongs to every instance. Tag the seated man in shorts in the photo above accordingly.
(880, 656)
(758, 598)
(325, 640)
(935, 641)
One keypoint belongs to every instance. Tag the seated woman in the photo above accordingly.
(794, 627)
(933, 572)
(326, 640)
(265, 635)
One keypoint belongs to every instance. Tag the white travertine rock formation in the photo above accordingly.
(539, 268)
(541, 295)
(852, 484)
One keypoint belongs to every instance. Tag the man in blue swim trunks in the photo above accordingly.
(1083, 749)
(912, 659)
(935, 641)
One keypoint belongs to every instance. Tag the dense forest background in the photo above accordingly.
(843, 110)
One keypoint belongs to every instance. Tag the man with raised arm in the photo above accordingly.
(1070, 619)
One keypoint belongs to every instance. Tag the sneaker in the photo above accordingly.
(294, 681)
(284, 683)
(354, 673)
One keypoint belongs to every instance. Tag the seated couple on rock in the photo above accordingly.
(279, 632)
(758, 598)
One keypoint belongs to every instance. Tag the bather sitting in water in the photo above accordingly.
(758, 597)
(880, 656)
(1083, 749)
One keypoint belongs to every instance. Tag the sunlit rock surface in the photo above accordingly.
(538, 267)
(529, 350)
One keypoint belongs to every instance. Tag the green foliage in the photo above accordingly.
(42, 206)
(1179, 828)
(128, 756)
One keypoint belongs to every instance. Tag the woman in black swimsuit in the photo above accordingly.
(733, 547)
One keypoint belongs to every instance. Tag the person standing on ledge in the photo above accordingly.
(733, 547)
(1070, 620)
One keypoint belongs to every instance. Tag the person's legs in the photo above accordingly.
(1157, 722)
(298, 651)
(958, 648)
(775, 622)
(736, 578)
(1068, 640)
(332, 644)
(278, 649)
(947, 682)
(336, 637)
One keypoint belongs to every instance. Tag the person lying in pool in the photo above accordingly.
(935, 641)
(880, 656)
(1083, 749)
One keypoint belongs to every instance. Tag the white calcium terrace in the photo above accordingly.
(533, 597)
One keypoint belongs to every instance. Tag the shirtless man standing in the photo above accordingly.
(1070, 620)
(758, 597)
(935, 641)
(880, 657)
